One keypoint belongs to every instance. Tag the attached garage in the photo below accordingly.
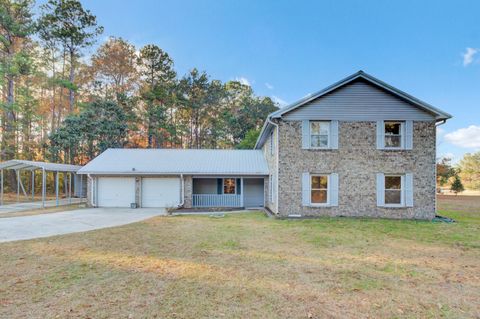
(172, 178)
(160, 192)
(116, 191)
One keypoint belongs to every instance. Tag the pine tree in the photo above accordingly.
(457, 186)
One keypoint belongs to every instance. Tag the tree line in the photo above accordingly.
(58, 105)
(465, 174)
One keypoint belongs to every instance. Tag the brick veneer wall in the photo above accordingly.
(357, 161)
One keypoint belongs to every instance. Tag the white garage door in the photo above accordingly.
(160, 192)
(116, 191)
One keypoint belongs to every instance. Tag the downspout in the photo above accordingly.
(182, 191)
(92, 195)
(437, 125)
(277, 160)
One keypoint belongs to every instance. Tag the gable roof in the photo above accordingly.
(177, 161)
(437, 113)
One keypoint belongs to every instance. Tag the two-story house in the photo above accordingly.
(357, 148)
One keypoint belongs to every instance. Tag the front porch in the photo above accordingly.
(229, 192)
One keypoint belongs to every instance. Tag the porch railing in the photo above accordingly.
(214, 200)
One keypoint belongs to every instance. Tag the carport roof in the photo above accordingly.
(177, 161)
(23, 164)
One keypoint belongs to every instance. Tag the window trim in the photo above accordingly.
(234, 184)
(402, 135)
(402, 190)
(329, 135)
(327, 203)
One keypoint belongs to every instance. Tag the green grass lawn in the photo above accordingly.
(251, 266)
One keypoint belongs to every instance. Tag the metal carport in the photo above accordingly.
(32, 166)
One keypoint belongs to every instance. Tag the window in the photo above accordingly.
(393, 190)
(319, 134)
(393, 134)
(229, 186)
(319, 189)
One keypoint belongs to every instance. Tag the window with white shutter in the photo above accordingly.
(395, 190)
(395, 135)
(320, 189)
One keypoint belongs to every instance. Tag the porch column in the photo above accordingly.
(241, 191)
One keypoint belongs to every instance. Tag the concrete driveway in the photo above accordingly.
(74, 221)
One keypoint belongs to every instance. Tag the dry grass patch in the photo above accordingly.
(11, 198)
(249, 266)
(40, 211)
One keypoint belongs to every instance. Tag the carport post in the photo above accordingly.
(56, 186)
(69, 188)
(81, 188)
(43, 187)
(18, 185)
(33, 185)
(1, 195)
(65, 188)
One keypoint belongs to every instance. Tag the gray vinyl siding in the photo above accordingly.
(358, 101)
(204, 186)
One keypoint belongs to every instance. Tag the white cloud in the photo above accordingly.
(440, 131)
(469, 55)
(269, 86)
(243, 80)
(279, 101)
(468, 137)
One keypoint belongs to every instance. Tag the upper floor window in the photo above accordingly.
(319, 134)
(393, 134)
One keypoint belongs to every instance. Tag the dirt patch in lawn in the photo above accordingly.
(249, 266)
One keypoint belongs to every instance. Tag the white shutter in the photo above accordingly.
(334, 135)
(305, 134)
(380, 135)
(306, 189)
(409, 190)
(408, 135)
(380, 189)
(333, 188)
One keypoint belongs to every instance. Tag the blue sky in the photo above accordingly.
(288, 49)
